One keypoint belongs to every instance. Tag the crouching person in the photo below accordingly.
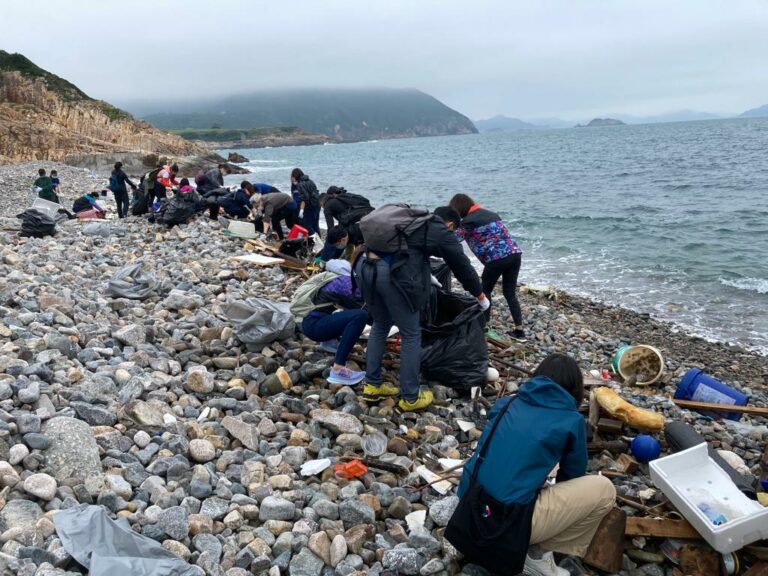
(538, 429)
(314, 306)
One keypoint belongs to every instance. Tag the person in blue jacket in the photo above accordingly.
(238, 204)
(540, 430)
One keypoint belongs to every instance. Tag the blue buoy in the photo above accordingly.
(645, 448)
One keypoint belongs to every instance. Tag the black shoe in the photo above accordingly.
(519, 336)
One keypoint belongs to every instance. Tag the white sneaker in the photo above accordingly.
(545, 566)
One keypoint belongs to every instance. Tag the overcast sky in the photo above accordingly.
(529, 59)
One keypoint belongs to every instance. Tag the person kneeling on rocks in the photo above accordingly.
(88, 201)
(540, 429)
(336, 330)
(236, 204)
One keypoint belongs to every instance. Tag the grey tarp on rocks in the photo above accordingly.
(258, 321)
(131, 282)
(109, 548)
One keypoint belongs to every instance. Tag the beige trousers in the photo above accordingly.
(567, 514)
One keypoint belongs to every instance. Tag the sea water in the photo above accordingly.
(669, 219)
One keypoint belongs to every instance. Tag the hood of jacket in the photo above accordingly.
(545, 393)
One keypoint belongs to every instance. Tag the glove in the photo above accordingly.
(485, 303)
(301, 213)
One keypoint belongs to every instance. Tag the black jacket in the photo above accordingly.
(118, 181)
(346, 208)
(307, 192)
(410, 270)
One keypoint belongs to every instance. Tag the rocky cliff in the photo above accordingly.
(44, 117)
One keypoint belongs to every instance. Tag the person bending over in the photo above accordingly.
(542, 428)
(489, 239)
(236, 204)
(275, 208)
(165, 180)
(336, 315)
(307, 199)
(396, 287)
(346, 209)
(211, 183)
(335, 242)
(88, 201)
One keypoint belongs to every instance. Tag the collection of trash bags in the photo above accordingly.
(453, 351)
(36, 224)
(258, 321)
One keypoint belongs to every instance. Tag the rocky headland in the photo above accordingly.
(153, 409)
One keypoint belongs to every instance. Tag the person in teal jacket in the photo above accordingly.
(541, 430)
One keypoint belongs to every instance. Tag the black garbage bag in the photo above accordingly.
(453, 350)
(176, 210)
(37, 224)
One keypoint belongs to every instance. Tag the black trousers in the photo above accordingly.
(121, 199)
(507, 269)
(283, 214)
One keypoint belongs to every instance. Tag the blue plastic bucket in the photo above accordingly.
(697, 386)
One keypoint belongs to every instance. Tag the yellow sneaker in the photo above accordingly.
(372, 393)
(424, 400)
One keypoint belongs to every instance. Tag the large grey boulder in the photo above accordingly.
(73, 452)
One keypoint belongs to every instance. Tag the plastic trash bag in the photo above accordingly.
(454, 351)
(131, 282)
(109, 548)
(37, 224)
(258, 321)
(97, 228)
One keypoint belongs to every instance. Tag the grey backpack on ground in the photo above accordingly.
(302, 302)
(387, 228)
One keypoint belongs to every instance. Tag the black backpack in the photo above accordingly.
(356, 207)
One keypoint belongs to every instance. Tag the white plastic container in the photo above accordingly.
(691, 479)
(46, 207)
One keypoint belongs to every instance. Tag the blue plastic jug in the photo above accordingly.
(697, 386)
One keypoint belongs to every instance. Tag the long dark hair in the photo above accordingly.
(297, 173)
(564, 371)
(461, 203)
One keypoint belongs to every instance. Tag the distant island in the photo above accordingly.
(755, 112)
(502, 123)
(341, 115)
(601, 122)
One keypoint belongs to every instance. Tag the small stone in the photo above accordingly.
(22, 514)
(305, 563)
(177, 548)
(403, 561)
(130, 335)
(201, 450)
(248, 434)
(337, 422)
(41, 486)
(142, 439)
(320, 545)
(174, 522)
(354, 512)
(276, 508)
(338, 550)
(17, 453)
(442, 510)
(199, 380)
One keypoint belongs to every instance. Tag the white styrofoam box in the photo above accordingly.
(690, 478)
(47, 207)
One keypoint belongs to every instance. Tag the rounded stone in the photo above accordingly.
(41, 486)
(202, 450)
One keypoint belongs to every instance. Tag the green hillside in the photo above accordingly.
(345, 115)
(18, 63)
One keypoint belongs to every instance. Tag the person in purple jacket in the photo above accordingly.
(337, 321)
(488, 238)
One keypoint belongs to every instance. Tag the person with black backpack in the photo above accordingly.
(395, 278)
(307, 199)
(117, 182)
(346, 209)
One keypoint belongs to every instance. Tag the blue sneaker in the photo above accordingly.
(345, 377)
(330, 346)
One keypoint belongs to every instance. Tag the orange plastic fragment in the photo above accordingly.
(352, 469)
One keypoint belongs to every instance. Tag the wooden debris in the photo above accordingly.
(697, 561)
(627, 463)
(615, 446)
(610, 426)
(661, 528)
(711, 407)
(607, 547)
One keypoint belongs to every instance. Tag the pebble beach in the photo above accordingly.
(155, 411)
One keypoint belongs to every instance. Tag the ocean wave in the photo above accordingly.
(759, 285)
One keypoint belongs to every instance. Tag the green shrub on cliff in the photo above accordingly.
(18, 63)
